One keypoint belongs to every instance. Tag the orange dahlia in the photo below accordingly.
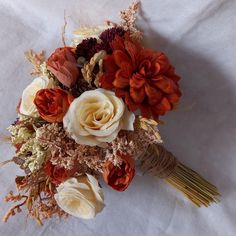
(142, 77)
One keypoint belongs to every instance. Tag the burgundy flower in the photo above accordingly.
(108, 36)
(87, 48)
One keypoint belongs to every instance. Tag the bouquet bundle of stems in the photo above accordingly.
(77, 123)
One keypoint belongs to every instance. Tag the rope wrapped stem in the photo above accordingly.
(162, 163)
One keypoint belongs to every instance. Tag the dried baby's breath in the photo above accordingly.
(30, 155)
(128, 18)
(133, 143)
(66, 153)
(19, 133)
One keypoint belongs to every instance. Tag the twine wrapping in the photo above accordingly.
(159, 162)
(163, 166)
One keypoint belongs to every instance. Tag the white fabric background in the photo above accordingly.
(199, 38)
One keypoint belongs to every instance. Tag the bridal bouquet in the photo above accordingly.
(92, 112)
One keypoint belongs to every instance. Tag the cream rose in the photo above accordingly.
(81, 197)
(86, 32)
(96, 117)
(27, 106)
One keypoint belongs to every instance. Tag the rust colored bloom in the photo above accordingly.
(52, 104)
(143, 78)
(119, 177)
(57, 174)
(62, 63)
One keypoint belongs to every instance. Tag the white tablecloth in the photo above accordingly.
(200, 40)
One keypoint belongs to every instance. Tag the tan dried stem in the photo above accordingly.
(150, 126)
(36, 59)
(5, 162)
(5, 138)
(159, 162)
(14, 209)
(64, 30)
(38, 197)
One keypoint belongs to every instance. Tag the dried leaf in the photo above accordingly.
(150, 126)
(88, 69)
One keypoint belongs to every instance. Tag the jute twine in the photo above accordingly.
(158, 161)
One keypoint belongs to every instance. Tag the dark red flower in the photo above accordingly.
(108, 36)
(143, 78)
(87, 48)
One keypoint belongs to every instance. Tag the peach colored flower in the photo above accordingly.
(96, 117)
(52, 104)
(119, 177)
(143, 78)
(62, 63)
(81, 197)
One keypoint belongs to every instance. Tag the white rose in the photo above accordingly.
(86, 32)
(27, 106)
(96, 117)
(81, 197)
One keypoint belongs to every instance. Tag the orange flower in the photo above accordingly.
(62, 63)
(57, 174)
(119, 177)
(52, 104)
(143, 78)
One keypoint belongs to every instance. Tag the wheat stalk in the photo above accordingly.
(158, 161)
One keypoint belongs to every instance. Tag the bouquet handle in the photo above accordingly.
(159, 162)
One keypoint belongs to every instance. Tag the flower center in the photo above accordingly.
(97, 114)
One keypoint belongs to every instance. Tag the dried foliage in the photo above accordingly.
(88, 70)
(36, 59)
(36, 193)
(47, 153)
(128, 18)
(134, 143)
(66, 153)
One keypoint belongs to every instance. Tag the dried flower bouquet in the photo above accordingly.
(76, 123)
